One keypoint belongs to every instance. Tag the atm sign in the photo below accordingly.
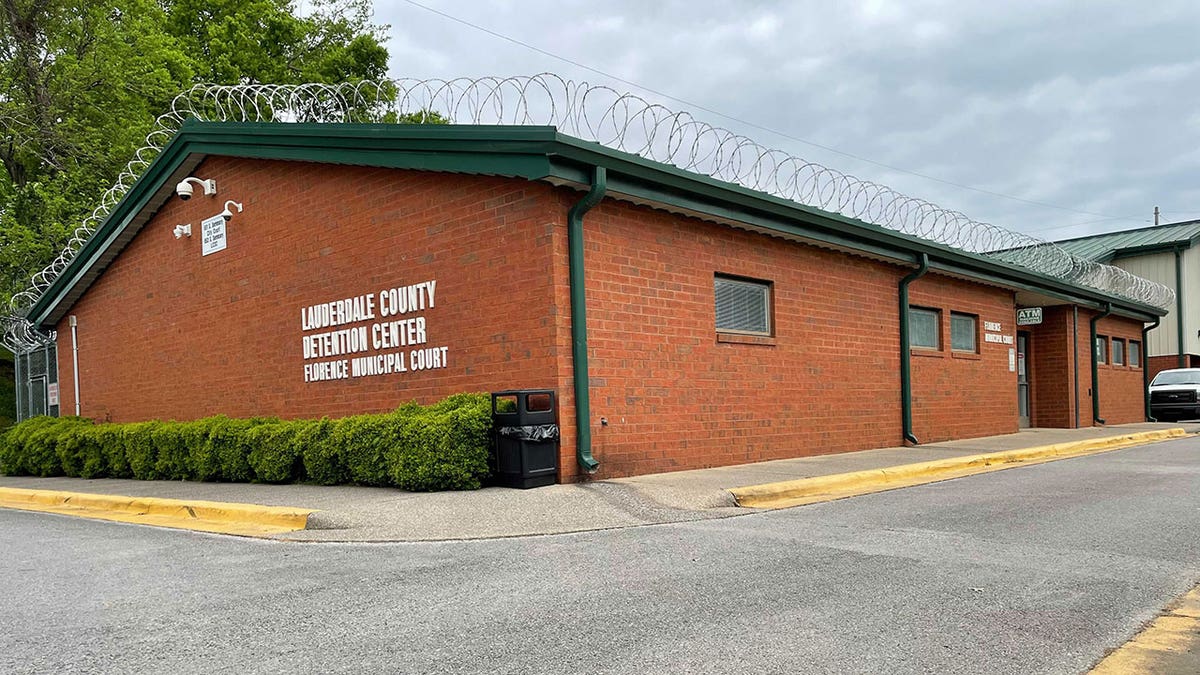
(1029, 316)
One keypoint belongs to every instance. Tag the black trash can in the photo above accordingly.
(524, 438)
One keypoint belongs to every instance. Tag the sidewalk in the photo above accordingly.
(383, 514)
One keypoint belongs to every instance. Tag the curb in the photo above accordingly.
(204, 516)
(837, 486)
(1170, 644)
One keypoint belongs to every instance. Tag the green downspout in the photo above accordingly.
(906, 351)
(579, 355)
(1096, 367)
(1179, 302)
(1146, 366)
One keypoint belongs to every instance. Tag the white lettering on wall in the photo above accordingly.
(994, 328)
(399, 343)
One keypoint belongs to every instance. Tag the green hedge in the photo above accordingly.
(437, 447)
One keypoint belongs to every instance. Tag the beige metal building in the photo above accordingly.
(1169, 255)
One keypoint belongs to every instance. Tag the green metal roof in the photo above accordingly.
(532, 153)
(1114, 245)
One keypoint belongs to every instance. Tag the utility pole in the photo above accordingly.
(1156, 215)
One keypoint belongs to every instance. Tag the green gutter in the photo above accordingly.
(1179, 302)
(1096, 367)
(669, 185)
(1146, 365)
(579, 355)
(533, 153)
(1145, 249)
(1075, 357)
(906, 351)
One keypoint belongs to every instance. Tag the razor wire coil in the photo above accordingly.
(615, 119)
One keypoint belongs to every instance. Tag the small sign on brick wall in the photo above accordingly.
(212, 235)
(1029, 316)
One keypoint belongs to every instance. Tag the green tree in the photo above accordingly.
(81, 84)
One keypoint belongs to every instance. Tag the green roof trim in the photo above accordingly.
(1142, 241)
(531, 153)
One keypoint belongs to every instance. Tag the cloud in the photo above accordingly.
(1090, 106)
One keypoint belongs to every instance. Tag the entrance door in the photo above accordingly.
(1023, 378)
(37, 396)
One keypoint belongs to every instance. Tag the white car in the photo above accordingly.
(1175, 394)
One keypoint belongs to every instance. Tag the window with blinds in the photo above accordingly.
(962, 332)
(924, 328)
(743, 306)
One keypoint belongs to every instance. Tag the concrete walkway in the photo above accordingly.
(383, 514)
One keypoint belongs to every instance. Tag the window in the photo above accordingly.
(743, 306)
(1101, 349)
(1135, 354)
(924, 328)
(1118, 352)
(963, 331)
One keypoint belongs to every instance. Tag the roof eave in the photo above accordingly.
(533, 153)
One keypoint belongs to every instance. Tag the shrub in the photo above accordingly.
(76, 447)
(111, 440)
(217, 450)
(17, 457)
(199, 460)
(104, 454)
(172, 460)
(230, 443)
(272, 453)
(323, 461)
(33, 445)
(444, 446)
(439, 447)
(141, 455)
(365, 441)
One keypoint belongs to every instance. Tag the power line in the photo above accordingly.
(753, 125)
(1092, 222)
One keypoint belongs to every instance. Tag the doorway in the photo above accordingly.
(1023, 378)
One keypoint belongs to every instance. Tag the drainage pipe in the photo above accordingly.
(74, 359)
(906, 351)
(579, 351)
(1146, 366)
(1179, 303)
(1095, 367)
(1075, 357)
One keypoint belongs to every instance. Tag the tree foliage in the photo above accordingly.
(82, 82)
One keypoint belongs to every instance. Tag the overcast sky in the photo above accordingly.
(1087, 106)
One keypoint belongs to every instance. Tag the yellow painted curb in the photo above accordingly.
(1171, 636)
(221, 517)
(837, 486)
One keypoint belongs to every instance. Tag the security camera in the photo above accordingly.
(227, 214)
(181, 231)
(184, 188)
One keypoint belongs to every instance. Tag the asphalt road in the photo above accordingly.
(1033, 570)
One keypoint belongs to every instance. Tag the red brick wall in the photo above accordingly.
(962, 394)
(1121, 400)
(1051, 369)
(166, 333)
(675, 397)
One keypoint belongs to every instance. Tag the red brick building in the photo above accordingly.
(374, 264)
